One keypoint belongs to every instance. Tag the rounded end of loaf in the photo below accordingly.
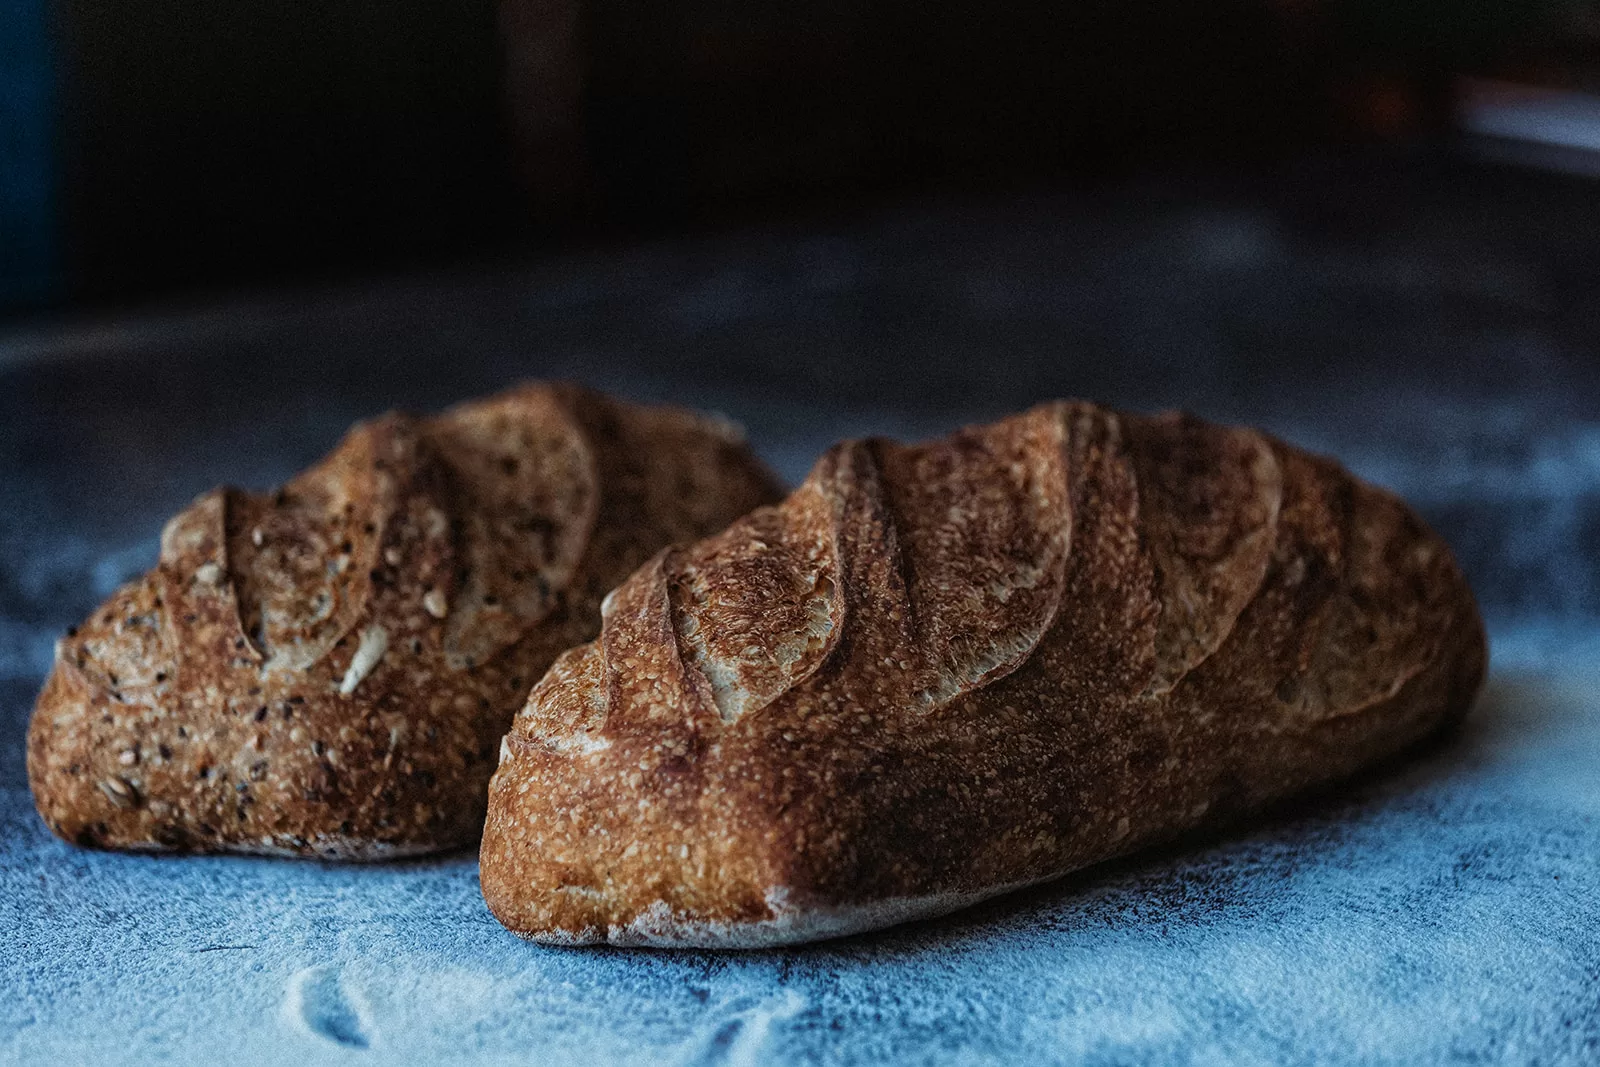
(122, 761)
(61, 770)
(1464, 653)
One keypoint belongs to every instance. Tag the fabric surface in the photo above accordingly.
(1434, 327)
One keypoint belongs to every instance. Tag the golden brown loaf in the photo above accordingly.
(938, 672)
(328, 670)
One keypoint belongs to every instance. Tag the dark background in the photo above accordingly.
(158, 147)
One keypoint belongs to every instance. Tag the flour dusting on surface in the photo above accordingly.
(1447, 909)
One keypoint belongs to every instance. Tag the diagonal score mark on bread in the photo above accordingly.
(940, 671)
(771, 615)
(1209, 500)
(300, 562)
(328, 670)
(525, 526)
(986, 554)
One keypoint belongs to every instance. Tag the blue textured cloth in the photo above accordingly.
(27, 227)
(1425, 327)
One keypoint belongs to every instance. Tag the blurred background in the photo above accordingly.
(159, 147)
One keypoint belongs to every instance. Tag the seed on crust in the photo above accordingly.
(120, 792)
(374, 643)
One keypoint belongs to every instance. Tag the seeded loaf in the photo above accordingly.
(327, 671)
(942, 671)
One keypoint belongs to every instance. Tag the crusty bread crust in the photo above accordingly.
(327, 670)
(936, 672)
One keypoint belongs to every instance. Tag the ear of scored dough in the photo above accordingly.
(759, 608)
(301, 560)
(529, 493)
(985, 525)
(1385, 623)
(1208, 500)
(200, 604)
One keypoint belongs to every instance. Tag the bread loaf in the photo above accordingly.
(328, 670)
(942, 671)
